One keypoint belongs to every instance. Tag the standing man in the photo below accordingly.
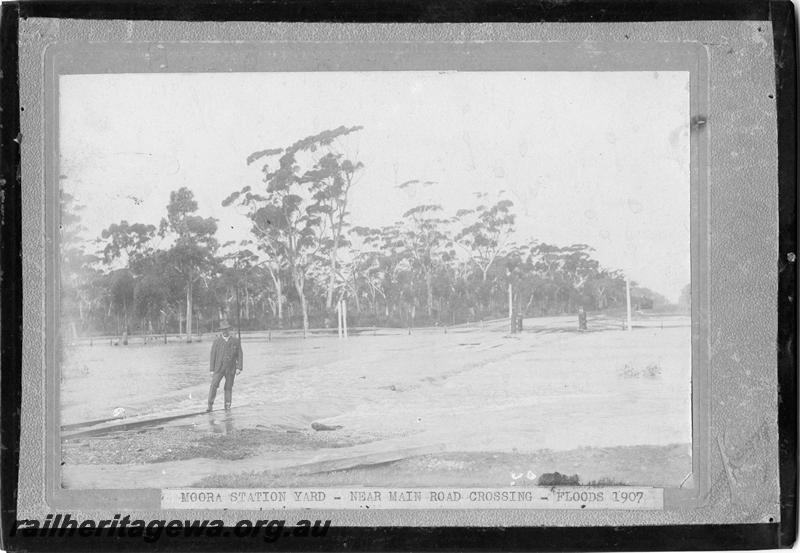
(226, 362)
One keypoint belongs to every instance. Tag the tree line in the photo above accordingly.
(303, 255)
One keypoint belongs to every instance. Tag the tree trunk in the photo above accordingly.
(512, 323)
(429, 287)
(276, 280)
(299, 285)
(189, 312)
(344, 317)
(279, 299)
(125, 320)
(332, 278)
(528, 306)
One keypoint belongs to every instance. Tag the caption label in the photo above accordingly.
(534, 497)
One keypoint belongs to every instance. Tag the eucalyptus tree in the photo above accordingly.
(486, 232)
(160, 290)
(578, 268)
(77, 267)
(276, 265)
(369, 268)
(192, 255)
(286, 218)
(386, 257)
(606, 287)
(330, 180)
(127, 241)
(427, 244)
(150, 299)
(128, 244)
(121, 286)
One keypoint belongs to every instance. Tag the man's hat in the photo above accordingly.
(223, 325)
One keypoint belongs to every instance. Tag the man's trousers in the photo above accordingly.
(215, 380)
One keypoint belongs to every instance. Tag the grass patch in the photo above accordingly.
(236, 445)
(652, 370)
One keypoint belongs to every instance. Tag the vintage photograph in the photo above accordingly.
(475, 279)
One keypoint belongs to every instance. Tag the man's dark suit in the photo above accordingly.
(226, 359)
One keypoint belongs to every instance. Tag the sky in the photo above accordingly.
(600, 158)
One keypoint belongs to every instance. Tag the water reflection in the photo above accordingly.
(221, 426)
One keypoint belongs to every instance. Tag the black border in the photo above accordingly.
(402, 11)
(382, 539)
(785, 47)
(10, 269)
(699, 537)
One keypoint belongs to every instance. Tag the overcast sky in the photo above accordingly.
(600, 158)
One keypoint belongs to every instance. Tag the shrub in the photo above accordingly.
(558, 479)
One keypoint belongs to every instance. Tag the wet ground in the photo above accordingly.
(468, 390)
(220, 440)
(616, 466)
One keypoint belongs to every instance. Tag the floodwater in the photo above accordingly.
(476, 389)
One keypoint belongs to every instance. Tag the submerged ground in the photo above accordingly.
(468, 405)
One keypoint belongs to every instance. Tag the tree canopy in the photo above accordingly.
(433, 266)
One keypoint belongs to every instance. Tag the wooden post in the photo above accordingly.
(339, 317)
